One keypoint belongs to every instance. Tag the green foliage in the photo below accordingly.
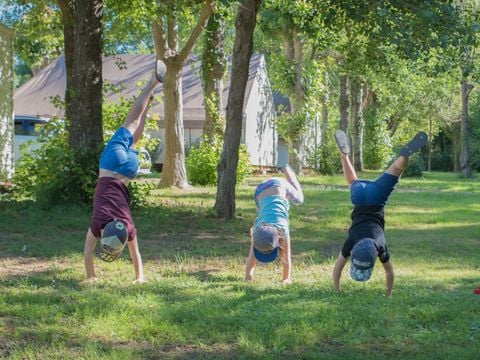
(202, 160)
(376, 143)
(38, 30)
(53, 174)
(416, 166)
(140, 192)
(326, 159)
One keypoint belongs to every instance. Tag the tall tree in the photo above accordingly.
(82, 21)
(470, 12)
(213, 71)
(293, 25)
(242, 51)
(167, 44)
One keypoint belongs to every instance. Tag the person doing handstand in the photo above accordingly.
(111, 218)
(270, 233)
(366, 236)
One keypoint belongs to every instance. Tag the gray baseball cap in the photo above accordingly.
(265, 243)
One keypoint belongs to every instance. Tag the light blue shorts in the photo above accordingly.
(118, 156)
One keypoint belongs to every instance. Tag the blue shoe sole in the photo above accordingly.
(418, 142)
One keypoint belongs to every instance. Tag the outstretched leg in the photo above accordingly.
(398, 166)
(343, 147)
(136, 117)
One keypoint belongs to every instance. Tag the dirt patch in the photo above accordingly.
(22, 266)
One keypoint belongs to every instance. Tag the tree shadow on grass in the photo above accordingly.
(220, 317)
(167, 232)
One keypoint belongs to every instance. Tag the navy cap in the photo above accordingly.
(265, 243)
(114, 238)
(364, 254)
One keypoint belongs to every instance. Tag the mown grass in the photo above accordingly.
(196, 304)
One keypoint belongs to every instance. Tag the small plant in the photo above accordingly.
(325, 159)
(139, 192)
(202, 161)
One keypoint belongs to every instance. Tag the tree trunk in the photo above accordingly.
(464, 131)
(294, 53)
(213, 70)
(242, 51)
(357, 123)
(455, 130)
(429, 167)
(85, 92)
(68, 12)
(173, 171)
(344, 103)
(166, 39)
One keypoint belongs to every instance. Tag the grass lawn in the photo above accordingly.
(196, 305)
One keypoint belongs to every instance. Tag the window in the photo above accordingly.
(29, 127)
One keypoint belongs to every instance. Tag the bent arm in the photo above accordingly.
(390, 276)
(337, 271)
(136, 260)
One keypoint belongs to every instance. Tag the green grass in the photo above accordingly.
(196, 305)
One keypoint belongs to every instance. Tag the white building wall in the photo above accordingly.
(6, 103)
(259, 132)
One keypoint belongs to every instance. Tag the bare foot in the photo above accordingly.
(139, 281)
(286, 281)
(249, 278)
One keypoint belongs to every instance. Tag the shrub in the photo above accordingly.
(202, 161)
(139, 192)
(52, 174)
(326, 159)
(442, 161)
(377, 149)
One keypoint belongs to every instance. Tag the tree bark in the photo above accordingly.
(344, 103)
(85, 91)
(67, 8)
(455, 132)
(357, 123)
(173, 171)
(213, 70)
(464, 131)
(242, 51)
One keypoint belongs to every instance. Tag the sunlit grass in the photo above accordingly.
(196, 304)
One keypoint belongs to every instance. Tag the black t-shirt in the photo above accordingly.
(367, 222)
